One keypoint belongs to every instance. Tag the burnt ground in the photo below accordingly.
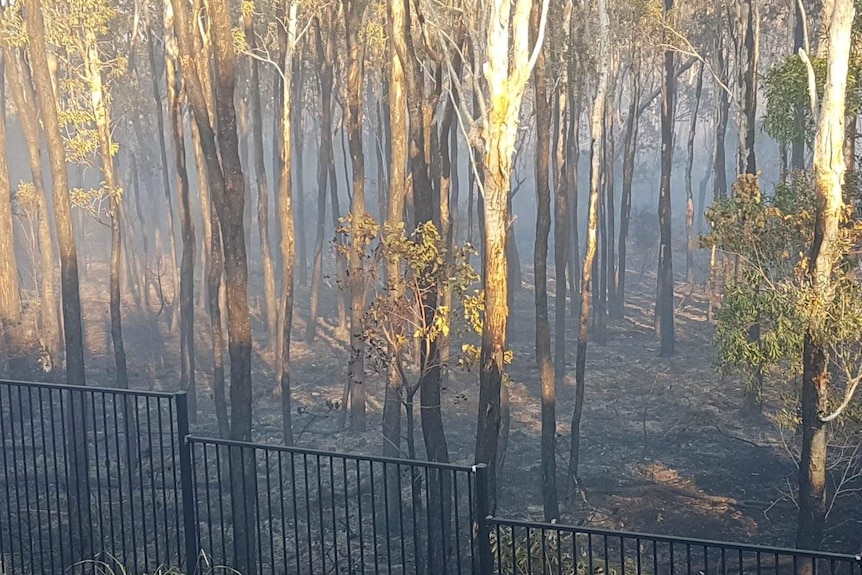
(667, 445)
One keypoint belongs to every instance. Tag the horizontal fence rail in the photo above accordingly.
(88, 474)
(267, 509)
(530, 548)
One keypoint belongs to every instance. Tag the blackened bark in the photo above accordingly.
(664, 307)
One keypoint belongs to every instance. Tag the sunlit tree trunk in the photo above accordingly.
(270, 304)
(507, 30)
(80, 544)
(10, 296)
(99, 104)
(285, 212)
(610, 191)
(24, 98)
(225, 179)
(187, 230)
(540, 273)
(689, 192)
(596, 135)
(664, 306)
(829, 169)
(354, 13)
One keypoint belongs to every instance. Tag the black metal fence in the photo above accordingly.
(92, 475)
(528, 548)
(88, 473)
(307, 512)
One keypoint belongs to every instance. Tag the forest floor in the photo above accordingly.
(668, 445)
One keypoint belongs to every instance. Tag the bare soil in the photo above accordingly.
(668, 446)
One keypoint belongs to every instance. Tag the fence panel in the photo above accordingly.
(526, 548)
(264, 509)
(88, 474)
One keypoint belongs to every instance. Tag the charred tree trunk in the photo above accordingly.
(722, 108)
(79, 519)
(689, 192)
(540, 272)
(749, 31)
(596, 136)
(630, 139)
(664, 307)
(325, 58)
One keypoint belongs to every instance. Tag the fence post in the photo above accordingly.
(186, 484)
(483, 511)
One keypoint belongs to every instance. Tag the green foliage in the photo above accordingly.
(786, 88)
(401, 318)
(767, 239)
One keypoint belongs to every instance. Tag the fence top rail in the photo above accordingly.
(801, 553)
(89, 388)
(333, 454)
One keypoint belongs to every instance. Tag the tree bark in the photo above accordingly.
(797, 144)
(79, 526)
(689, 192)
(505, 91)
(664, 307)
(749, 30)
(10, 296)
(325, 59)
(829, 168)
(596, 136)
(354, 13)
(540, 272)
(187, 230)
(285, 210)
(722, 109)
(255, 108)
(24, 97)
(163, 157)
(630, 140)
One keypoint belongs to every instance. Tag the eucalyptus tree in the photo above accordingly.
(10, 296)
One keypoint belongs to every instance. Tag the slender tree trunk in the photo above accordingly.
(664, 307)
(610, 213)
(719, 163)
(561, 215)
(24, 98)
(540, 273)
(166, 180)
(797, 143)
(573, 155)
(354, 13)
(630, 138)
(299, 127)
(285, 210)
(829, 168)
(600, 271)
(79, 519)
(749, 30)
(596, 136)
(101, 114)
(10, 296)
(324, 159)
(187, 230)
(689, 192)
(255, 108)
